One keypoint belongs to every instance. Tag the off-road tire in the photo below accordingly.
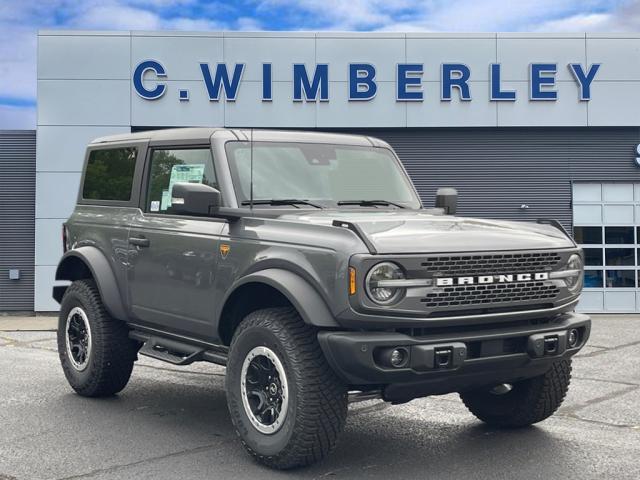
(530, 401)
(317, 409)
(112, 353)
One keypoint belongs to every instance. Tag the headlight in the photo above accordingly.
(384, 295)
(574, 281)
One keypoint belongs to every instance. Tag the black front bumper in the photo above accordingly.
(453, 361)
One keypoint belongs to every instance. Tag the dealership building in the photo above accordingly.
(525, 126)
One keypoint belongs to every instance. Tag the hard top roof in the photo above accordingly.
(203, 135)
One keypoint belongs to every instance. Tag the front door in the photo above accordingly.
(173, 258)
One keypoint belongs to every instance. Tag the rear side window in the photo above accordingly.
(109, 174)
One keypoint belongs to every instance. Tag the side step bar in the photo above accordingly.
(177, 352)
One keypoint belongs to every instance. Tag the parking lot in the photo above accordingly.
(171, 422)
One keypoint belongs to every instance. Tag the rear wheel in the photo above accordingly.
(286, 403)
(95, 350)
(527, 402)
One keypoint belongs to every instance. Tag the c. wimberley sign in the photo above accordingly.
(311, 83)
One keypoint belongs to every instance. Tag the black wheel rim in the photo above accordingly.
(78, 338)
(264, 390)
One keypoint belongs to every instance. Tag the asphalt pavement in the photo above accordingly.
(172, 423)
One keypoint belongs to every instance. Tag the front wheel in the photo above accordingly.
(286, 403)
(528, 402)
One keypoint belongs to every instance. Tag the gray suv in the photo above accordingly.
(306, 264)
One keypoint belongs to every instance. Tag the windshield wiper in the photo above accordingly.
(369, 203)
(281, 201)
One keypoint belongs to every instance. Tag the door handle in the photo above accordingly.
(139, 241)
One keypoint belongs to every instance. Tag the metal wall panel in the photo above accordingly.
(497, 170)
(17, 218)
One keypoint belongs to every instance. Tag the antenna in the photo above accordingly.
(251, 177)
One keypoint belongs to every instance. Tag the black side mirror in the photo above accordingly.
(447, 199)
(194, 199)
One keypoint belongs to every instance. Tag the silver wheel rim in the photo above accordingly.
(77, 334)
(265, 402)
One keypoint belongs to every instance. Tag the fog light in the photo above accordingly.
(572, 338)
(398, 357)
(392, 357)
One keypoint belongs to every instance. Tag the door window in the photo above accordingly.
(171, 166)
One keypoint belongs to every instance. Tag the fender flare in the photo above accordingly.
(304, 298)
(101, 272)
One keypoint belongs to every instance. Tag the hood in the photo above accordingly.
(422, 231)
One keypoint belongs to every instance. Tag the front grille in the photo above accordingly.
(468, 295)
(470, 265)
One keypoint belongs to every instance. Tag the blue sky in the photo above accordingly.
(20, 20)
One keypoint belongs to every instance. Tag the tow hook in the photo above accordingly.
(443, 357)
(550, 345)
(438, 357)
(547, 344)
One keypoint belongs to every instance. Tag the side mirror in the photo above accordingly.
(194, 199)
(447, 199)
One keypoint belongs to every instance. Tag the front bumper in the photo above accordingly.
(459, 359)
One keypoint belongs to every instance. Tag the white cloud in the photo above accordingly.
(248, 24)
(163, 3)
(116, 17)
(430, 15)
(17, 62)
(593, 22)
(341, 14)
(624, 19)
(192, 24)
(17, 118)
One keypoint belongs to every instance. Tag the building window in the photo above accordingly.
(593, 257)
(593, 278)
(620, 256)
(618, 235)
(620, 279)
(109, 174)
(588, 235)
(612, 263)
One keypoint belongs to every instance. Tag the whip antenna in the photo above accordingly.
(251, 162)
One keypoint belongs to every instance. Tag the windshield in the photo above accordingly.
(321, 173)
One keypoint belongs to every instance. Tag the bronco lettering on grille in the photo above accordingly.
(484, 279)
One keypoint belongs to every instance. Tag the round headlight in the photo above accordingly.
(574, 282)
(384, 295)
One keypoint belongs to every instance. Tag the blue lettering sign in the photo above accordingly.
(221, 80)
(496, 94)
(313, 85)
(409, 82)
(538, 78)
(306, 90)
(138, 77)
(584, 79)
(362, 75)
(455, 75)
(266, 82)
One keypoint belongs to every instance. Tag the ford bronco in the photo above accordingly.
(306, 264)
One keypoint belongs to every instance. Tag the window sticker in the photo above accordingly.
(193, 173)
(155, 206)
(166, 200)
